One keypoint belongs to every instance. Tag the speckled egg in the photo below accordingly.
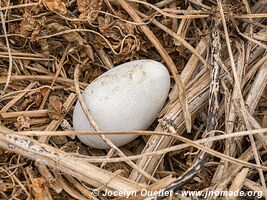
(126, 98)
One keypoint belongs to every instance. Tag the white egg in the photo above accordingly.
(126, 98)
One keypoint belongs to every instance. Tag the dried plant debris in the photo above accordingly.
(89, 10)
(56, 6)
(215, 52)
(23, 123)
(54, 107)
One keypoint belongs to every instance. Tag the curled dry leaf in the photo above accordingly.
(56, 6)
(54, 107)
(88, 9)
(37, 8)
(75, 38)
(3, 72)
(70, 37)
(30, 26)
(45, 47)
(40, 95)
(23, 123)
(87, 51)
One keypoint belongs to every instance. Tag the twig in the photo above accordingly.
(61, 80)
(20, 6)
(32, 113)
(57, 159)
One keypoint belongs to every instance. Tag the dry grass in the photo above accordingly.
(208, 136)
